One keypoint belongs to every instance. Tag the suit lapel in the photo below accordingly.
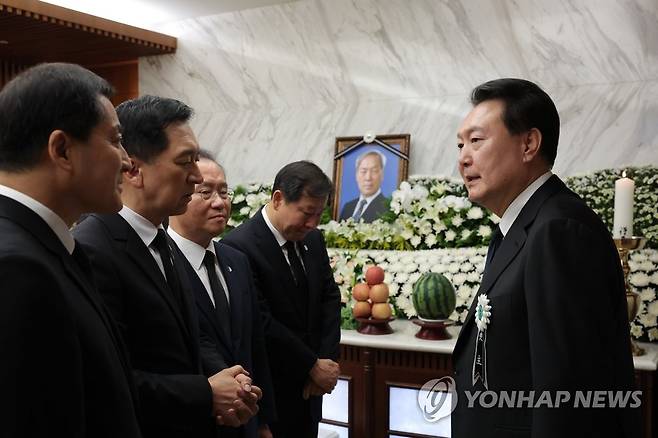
(204, 304)
(313, 278)
(35, 225)
(510, 246)
(140, 255)
(272, 251)
(236, 297)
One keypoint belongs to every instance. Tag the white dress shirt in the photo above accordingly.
(368, 201)
(146, 232)
(51, 218)
(280, 239)
(520, 201)
(195, 253)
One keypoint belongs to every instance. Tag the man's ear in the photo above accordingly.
(277, 199)
(531, 144)
(134, 175)
(59, 150)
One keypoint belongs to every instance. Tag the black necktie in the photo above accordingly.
(296, 266)
(160, 243)
(496, 239)
(221, 302)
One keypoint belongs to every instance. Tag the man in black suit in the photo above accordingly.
(299, 300)
(370, 204)
(64, 369)
(552, 280)
(229, 321)
(149, 295)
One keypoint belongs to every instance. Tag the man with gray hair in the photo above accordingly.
(370, 204)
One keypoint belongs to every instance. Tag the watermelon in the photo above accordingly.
(434, 297)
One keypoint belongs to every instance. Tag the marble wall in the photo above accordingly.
(278, 84)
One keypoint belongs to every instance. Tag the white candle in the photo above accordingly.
(623, 222)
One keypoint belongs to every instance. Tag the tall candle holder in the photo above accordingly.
(624, 246)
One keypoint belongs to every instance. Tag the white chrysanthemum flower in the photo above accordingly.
(474, 277)
(406, 289)
(465, 234)
(466, 267)
(393, 289)
(639, 279)
(484, 231)
(439, 226)
(653, 334)
(238, 199)
(475, 213)
(464, 291)
(648, 294)
(430, 240)
(245, 210)
(459, 279)
(652, 308)
(457, 221)
(450, 235)
(636, 330)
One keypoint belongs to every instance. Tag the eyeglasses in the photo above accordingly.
(207, 194)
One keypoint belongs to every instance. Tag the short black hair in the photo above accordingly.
(143, 123)
(43, 99)
(302, 178)
(527, 106)
(207, 155)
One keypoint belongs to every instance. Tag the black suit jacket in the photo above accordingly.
(162, 335)
(374, 210)
(64, 370)
(295, 336)
(558, 322)
(245, 346)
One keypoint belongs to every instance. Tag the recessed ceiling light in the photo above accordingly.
(4, 42)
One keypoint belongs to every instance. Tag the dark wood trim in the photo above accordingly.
(89, 23)
(375, 370)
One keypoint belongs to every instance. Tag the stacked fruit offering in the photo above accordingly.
(372, 296)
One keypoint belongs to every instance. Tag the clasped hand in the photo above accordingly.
(322, 378)
(235, 399)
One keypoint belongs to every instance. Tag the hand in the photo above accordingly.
(264, 431)
(311, 388)
(325, 374)
(233, 405)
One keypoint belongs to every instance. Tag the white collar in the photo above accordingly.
(519, 202)
(371, 197)
(277, 235)
(193, 252)
(142, 226)
(51, 218)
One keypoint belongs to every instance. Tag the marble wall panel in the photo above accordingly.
(277, 84)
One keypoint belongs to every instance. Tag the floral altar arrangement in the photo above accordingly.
(432, 226)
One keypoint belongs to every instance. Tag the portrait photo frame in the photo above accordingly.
(394, 152)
